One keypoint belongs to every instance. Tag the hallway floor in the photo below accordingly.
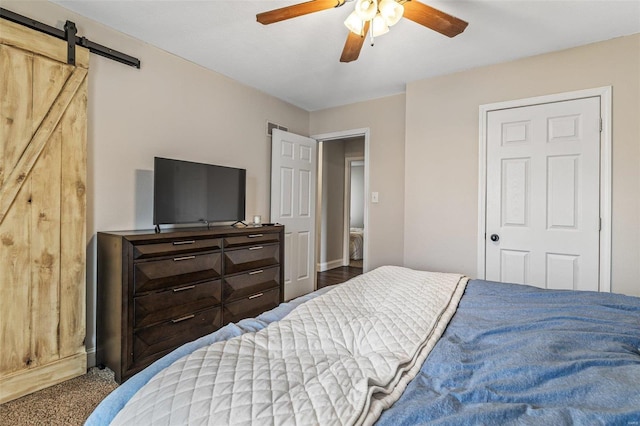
(337, 275)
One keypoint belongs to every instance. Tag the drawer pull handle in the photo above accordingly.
(189, 287)
(177, 259)
(256, 272)
(183, 318)
(256, 248)
(256, 295)
(254, 236)
(179, 243)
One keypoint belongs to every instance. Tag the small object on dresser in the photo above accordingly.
(257, 220)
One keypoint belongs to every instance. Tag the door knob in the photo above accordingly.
(495, 237)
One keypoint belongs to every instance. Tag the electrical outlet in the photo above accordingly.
(374, 197)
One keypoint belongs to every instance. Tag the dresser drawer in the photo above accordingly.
(176, 303)
(176, 247)
(251, 306)
(254, 257)
(161, 274)
(153, 342)
(252, 239)
(249, 283)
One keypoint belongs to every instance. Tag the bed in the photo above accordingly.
(507, 354)
(356, 240)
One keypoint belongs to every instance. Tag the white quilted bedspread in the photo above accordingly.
(340, 358)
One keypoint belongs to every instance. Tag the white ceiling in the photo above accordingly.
(298, 60)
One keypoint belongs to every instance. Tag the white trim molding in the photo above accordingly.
(325, 266)
(605, 94)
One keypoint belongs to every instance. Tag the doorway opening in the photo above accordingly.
(354, 200)
(341, 224)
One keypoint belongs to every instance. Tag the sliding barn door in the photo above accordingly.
(42, 211)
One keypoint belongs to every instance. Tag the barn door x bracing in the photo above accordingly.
(543, 194)
(42, 211)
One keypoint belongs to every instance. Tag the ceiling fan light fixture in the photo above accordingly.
(391, 11)
(366, 9)
(379, 26)
(370, 16)
(354, 23)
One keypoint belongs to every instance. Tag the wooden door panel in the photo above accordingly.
(45, 253)
(42, 211)
(16, 127)
(16, 177)
(73, 128)
(21, 73)
(49, 77)
(15, 275)
(15, 291)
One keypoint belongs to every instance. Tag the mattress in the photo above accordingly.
(511, 354)
(338, 359)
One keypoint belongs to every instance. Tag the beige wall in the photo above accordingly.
(441, 151)
(385, 118)
(354, 147)
(170, 107)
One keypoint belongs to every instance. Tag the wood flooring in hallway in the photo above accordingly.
(337, 275)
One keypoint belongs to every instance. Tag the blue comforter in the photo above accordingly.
(511, 354)
(516, 354)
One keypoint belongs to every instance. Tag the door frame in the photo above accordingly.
(325, 137)
(605, 92)
(348, 161)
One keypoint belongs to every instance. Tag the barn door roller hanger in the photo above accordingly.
(69, 35)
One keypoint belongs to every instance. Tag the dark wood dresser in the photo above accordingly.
(159, 291)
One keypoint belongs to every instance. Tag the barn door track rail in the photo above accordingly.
(69, 35)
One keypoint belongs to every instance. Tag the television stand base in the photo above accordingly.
(239, 222)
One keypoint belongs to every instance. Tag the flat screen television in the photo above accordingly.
(188, 192)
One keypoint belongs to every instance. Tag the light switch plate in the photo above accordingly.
(374, 197)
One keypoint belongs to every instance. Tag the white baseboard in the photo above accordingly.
(325, 266)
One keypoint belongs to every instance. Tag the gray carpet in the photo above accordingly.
(68, 403)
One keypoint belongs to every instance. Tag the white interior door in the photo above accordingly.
(293, 204)
(543, 195)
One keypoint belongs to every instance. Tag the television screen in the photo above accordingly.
(187, 192)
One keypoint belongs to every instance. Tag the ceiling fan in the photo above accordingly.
(373, 16)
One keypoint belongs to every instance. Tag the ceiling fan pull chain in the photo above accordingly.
(371, 33)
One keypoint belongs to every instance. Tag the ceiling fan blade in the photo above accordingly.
(434, 18)
(296, 10)
(353, 45)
